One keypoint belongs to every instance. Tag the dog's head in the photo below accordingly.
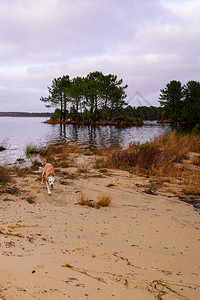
(51, 181)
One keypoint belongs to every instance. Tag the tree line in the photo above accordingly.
(181, 102)
(101, 98)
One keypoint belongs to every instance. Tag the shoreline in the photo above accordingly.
(98, 123)
(176, 122)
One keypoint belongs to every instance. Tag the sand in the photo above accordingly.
(52, 248)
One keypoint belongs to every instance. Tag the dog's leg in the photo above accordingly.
(48, 188)
(42, 178)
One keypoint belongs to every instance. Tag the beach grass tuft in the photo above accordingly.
(83, 200)
(191, 182)
(83, 168)
(103, 201)
(5, 176)
(22, 172)
(31, 150)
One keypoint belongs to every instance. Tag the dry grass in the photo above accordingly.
(103, 151)
(152, 160)
(157, 158)
(83, 168)
(64, 164)
(5, 176)
(162, 157)
(179, 145)
(104, 162)
(74, 148)
(21, 172)
(196, 161)
(103, 201)
(83, 200)
(64, 155)
(7, 231)
(191, 182)
(59, 155)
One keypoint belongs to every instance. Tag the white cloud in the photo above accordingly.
(147, 43)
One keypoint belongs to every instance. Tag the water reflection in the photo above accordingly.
(19, 132)
(63, 132)
(105, 136)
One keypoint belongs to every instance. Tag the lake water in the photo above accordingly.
(17, 133)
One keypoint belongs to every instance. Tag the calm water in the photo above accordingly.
(16, 133)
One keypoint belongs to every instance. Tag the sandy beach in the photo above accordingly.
(141, 246)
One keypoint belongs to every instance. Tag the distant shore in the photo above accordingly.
(24, 114)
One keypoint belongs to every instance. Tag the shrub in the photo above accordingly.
(141, 160)
(31, 149)
(158, 157)
(144, 146)
(196, 130)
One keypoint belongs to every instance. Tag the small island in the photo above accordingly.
(96, 99)
(2, 148)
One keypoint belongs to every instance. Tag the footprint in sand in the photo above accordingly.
(61, 196)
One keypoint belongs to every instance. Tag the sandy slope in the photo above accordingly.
(68, 251)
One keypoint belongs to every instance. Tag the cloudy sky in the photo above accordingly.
(147, 43)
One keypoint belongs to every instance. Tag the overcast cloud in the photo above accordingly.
(147, 43)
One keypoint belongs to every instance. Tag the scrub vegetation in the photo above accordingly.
(169, 155)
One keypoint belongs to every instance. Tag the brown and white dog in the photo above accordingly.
(48, 173)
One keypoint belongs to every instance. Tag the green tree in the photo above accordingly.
(58, 95)
(191, 103)
(91, 91)
(104, 94)
(114, 94)
(99, 95)
(76, 95)
(171, 99)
